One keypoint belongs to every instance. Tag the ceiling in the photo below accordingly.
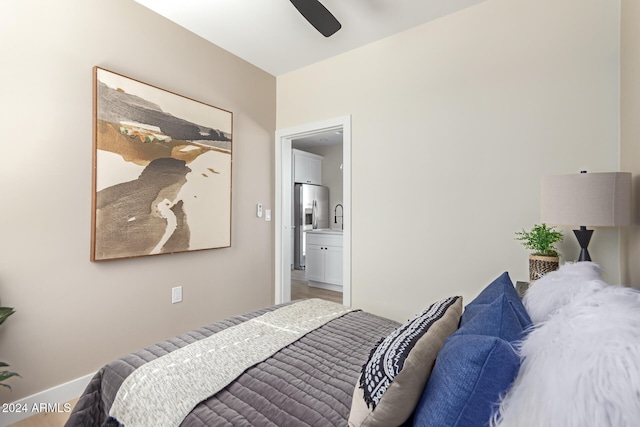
(273, 36)
(332, 137)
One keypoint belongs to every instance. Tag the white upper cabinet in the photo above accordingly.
(307, 167)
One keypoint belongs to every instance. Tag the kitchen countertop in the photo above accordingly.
(325, 231)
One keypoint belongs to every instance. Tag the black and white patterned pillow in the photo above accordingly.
(393, 377)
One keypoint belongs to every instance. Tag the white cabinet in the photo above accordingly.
(314, 267)
(333, 265)
(324, 259)
(307, 167)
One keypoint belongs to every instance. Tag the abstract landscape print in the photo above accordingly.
(161, 171)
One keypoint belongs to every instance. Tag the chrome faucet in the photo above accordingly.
(335, 215)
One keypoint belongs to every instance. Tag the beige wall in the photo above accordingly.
(453, 124)
(630, 132)
(73, 315)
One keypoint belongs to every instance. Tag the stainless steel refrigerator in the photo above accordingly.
(310, 212)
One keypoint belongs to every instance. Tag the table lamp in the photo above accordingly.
(587, 200)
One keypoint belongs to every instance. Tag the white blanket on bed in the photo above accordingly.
(163, 391)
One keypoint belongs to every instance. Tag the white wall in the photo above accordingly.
(453, 124)
(73, 315)
(630, 133)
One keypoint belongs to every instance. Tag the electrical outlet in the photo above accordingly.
(176, 294)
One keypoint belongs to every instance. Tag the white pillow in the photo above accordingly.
(580, 368)
(557, 288)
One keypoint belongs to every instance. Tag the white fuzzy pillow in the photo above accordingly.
(557, 288)
(581, 367)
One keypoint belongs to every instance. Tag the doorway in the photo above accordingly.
(284, 201)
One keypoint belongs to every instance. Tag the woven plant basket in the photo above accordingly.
(541, 265)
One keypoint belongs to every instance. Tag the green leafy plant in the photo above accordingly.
(540, 240)
(5, 375)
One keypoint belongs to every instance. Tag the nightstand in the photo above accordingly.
(522, 287)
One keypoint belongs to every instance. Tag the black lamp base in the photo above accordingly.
(584, 236)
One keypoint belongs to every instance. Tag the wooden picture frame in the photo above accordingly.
(161, 171)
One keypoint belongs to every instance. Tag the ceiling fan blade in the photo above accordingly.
(318, 16)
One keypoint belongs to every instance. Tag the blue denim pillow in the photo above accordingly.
(470, 374)
(499, 287)
(476, 364)
(498, 319)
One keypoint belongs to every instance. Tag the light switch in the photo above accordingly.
(267, 215)
(176, 294)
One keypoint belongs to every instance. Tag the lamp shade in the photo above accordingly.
(587, 199)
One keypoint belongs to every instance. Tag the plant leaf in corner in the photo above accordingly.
(4, 375)
(5, 312)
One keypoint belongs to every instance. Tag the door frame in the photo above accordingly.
(284, 183)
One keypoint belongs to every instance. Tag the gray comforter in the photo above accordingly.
(308, 383)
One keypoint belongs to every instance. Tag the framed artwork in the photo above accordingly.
(161, 171)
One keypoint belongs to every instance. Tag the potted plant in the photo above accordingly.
(541, 241)
(4, 375)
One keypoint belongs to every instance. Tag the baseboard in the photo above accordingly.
(52, 399)
(322, 285)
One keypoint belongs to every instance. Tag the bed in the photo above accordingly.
(322, 366)
(335, 366)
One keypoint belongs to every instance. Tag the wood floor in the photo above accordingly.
(46, 419)
(299, 290)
